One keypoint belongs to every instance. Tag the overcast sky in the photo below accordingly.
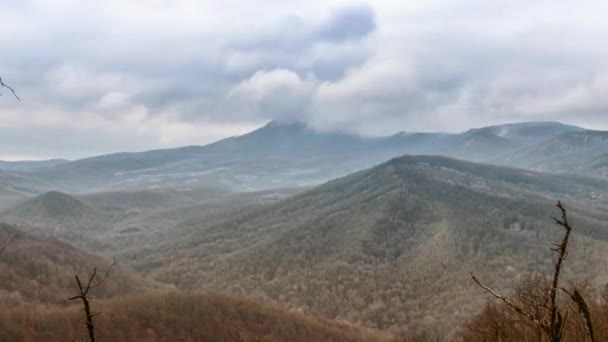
(114, 75)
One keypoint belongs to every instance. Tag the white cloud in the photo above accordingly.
(131, 75)
(274, 94)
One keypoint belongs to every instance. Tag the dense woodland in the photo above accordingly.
(390, 248)
(168, 316)
(177, 317)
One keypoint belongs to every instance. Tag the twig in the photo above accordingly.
(583, 309)
(512, 305)
(561, 253)
(557, 321)
(4, 85)
(83, 295)
(8, 241)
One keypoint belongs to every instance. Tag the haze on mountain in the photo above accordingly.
(292, 154)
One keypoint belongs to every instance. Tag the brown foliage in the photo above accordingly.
(499, 322)
(8, 234)
(177, 317)
(37, 268)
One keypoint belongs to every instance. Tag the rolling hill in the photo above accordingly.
(38, 268)
(179, 317)
(392, 246)
(54, 209)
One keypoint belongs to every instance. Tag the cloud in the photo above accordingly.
(134, 75)
(348, 24)
(271, 95)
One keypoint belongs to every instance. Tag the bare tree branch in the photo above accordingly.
(557, 321)
(83, 295)
(561, 255)
(8, 240)
(512, 305)
(105, 276)
(583, 309)
(4, 85)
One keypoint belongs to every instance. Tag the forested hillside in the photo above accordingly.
(37, 268)
(390, 247)
(178, 317)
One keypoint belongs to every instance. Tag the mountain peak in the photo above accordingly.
(285, 124)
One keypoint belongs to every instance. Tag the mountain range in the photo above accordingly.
(292, 154)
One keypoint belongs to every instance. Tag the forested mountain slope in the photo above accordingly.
(178, 317)
(580, 152)
(392, 246)
(38, 268)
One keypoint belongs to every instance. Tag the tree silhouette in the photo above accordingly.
(83, 294)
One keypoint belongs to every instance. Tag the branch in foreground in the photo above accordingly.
(583, 309)
(512, 305)
(83, 295)
(556, 324)
(4, 85)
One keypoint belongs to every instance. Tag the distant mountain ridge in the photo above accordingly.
(27, 165)
(292, 154)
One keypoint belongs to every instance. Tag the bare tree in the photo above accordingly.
(11, 236)
(553, 327)
(4, 85)
(93, 282)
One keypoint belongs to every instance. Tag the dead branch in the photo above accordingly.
(583, 309)
(561, 250)
(4, 85)
(83, 295)
(512, 305)
(557, 321)
(8, 240)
